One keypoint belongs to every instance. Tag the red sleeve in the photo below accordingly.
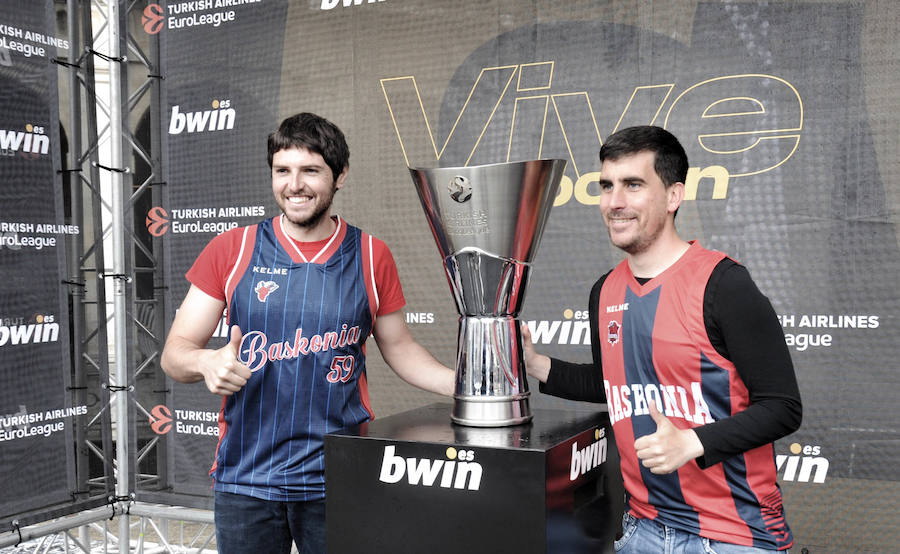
(211, 268)
(387, 280)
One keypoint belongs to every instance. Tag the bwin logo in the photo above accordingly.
(219, 118)
(588, 457)
(460, 474)
(330, 4)
(806, 464)
(560, 332)
(44, 330)
(32, 140)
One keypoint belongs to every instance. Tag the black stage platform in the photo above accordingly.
(416, 482)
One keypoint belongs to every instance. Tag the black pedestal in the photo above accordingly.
(415, 482)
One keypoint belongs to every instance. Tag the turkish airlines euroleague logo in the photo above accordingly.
(160, 419)
(152, 19)
(157, 221)
(184, 422)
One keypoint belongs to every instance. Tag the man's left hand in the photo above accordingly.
(669, 447)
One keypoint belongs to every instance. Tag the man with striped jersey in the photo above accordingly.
(302, 291)
(691, 361)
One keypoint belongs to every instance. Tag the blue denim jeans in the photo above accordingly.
(642, 536)
(247, 525)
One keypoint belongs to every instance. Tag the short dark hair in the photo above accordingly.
(670, 162)
(316, 134)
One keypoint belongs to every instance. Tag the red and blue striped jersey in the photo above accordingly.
(305, 320)
(655, 348)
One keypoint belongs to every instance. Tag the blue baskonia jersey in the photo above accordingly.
(304, 326)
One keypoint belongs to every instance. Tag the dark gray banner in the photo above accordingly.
(36, 413)
(222, 70)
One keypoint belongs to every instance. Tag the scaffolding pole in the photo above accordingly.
(119, 276)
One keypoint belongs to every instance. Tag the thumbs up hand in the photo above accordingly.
(222, 370)
(669, 447)
(234, 341)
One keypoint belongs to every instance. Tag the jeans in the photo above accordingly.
(642, 536)
(247, 525)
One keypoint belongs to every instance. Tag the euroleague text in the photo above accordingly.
(185, 422)
(190, 18)
(178, 8)
(809, 326)
(33, 36)
(17, 235)
(27, 48)
(22, 425)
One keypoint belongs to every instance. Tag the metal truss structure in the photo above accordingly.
(112, 175)
(151, 530)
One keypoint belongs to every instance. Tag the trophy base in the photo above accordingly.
(491, 411)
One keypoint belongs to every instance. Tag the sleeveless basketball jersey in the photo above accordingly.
(655, 348)
(304, 326)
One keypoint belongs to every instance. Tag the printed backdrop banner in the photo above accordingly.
(36, 454)
(225, 70)
(787, 112)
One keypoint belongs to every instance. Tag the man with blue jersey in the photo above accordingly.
(691, 361)
(302, 292)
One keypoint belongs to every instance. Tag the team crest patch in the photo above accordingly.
(264, 288)
(613, 333)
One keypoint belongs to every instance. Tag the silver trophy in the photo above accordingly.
(487, 222)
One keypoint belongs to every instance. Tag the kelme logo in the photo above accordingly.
(157, 221)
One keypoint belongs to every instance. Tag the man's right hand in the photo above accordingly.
(223, 372)
(536, 365)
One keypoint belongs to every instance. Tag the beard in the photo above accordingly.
(638, 242)
(312, 219)
(316, 217)
(634, 247)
